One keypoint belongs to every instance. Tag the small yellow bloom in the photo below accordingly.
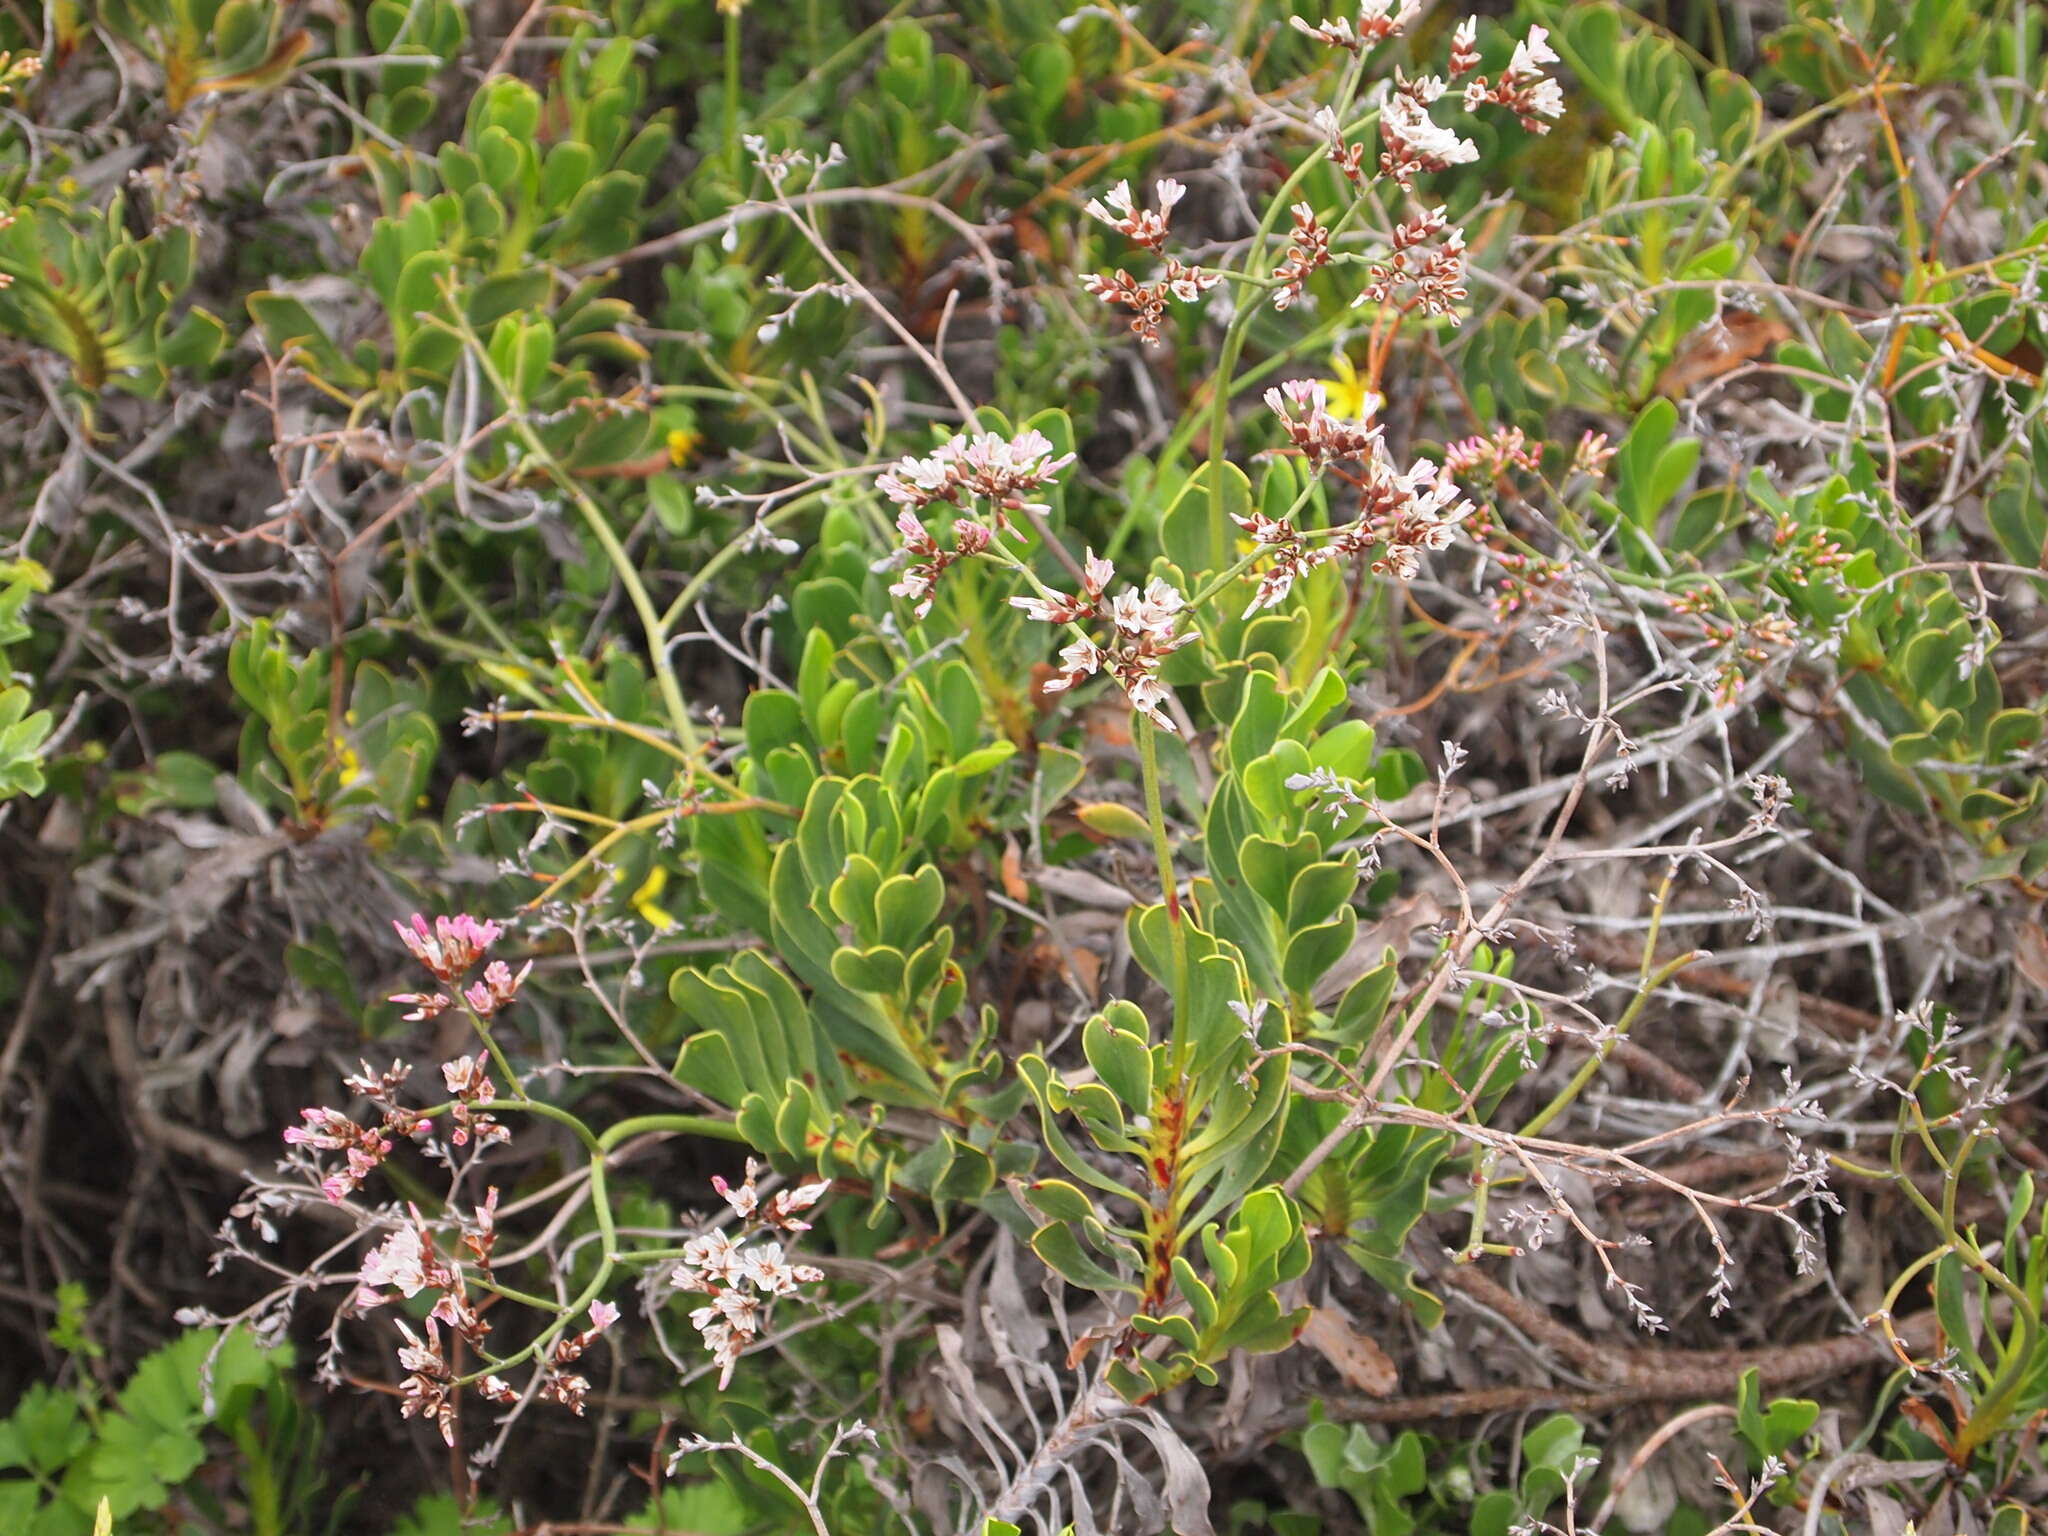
(345, 758)
(682, 443)
(1350, 400)
(644, 903)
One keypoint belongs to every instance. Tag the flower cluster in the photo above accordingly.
(1436, 277)
(743, 1279)
(1531, 583)
(1303, 406)
(1415, 141)
(470, 1085)
(1524, 89)
(1402, 514)
(558, 1384)
(927, 561)
(1142, 634)
(451, 946)
(1377, 20)
(409, 1263)
(363, 1147)
(1733, 640)
(1593, 454)
(448, 949)
(1139, 226)
(1148, 300)
(1003, 470)
(1808, 552)
(1291, 558)
(1308, 248)
(1507, 449)
(1096, 574)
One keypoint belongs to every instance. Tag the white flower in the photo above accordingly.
(1532, 53)
(1079, 660)
(709, 1259)
(400, 1261)
(1415, 136)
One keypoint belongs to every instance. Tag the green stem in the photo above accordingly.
(1598, 1059)
(600, 529)
(1162, 850)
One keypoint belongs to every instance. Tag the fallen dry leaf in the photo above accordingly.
(1356, 1356)
(2030, 953)
(1013, 872)
(1719, 347)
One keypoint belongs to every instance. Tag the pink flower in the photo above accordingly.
(743, 1200)
(400, 1261)
(987, 464)
(451, 946)
(498, 987)
(602, 1315)
(927, 560)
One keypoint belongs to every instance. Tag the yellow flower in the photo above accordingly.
(643, 899)
(1350, 400)
(682, 443)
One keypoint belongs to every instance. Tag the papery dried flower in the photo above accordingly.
(1308, 248)
(1139, 226)
(1464, 48)
(424, 1005)
(1524, 89)
(1348, 158)
(1148, 300)
(451, 946)
(1292, 558)
(1593, 454)
(1003, 470)
(1416, 142)
(1303, 408)
(1143, 628)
